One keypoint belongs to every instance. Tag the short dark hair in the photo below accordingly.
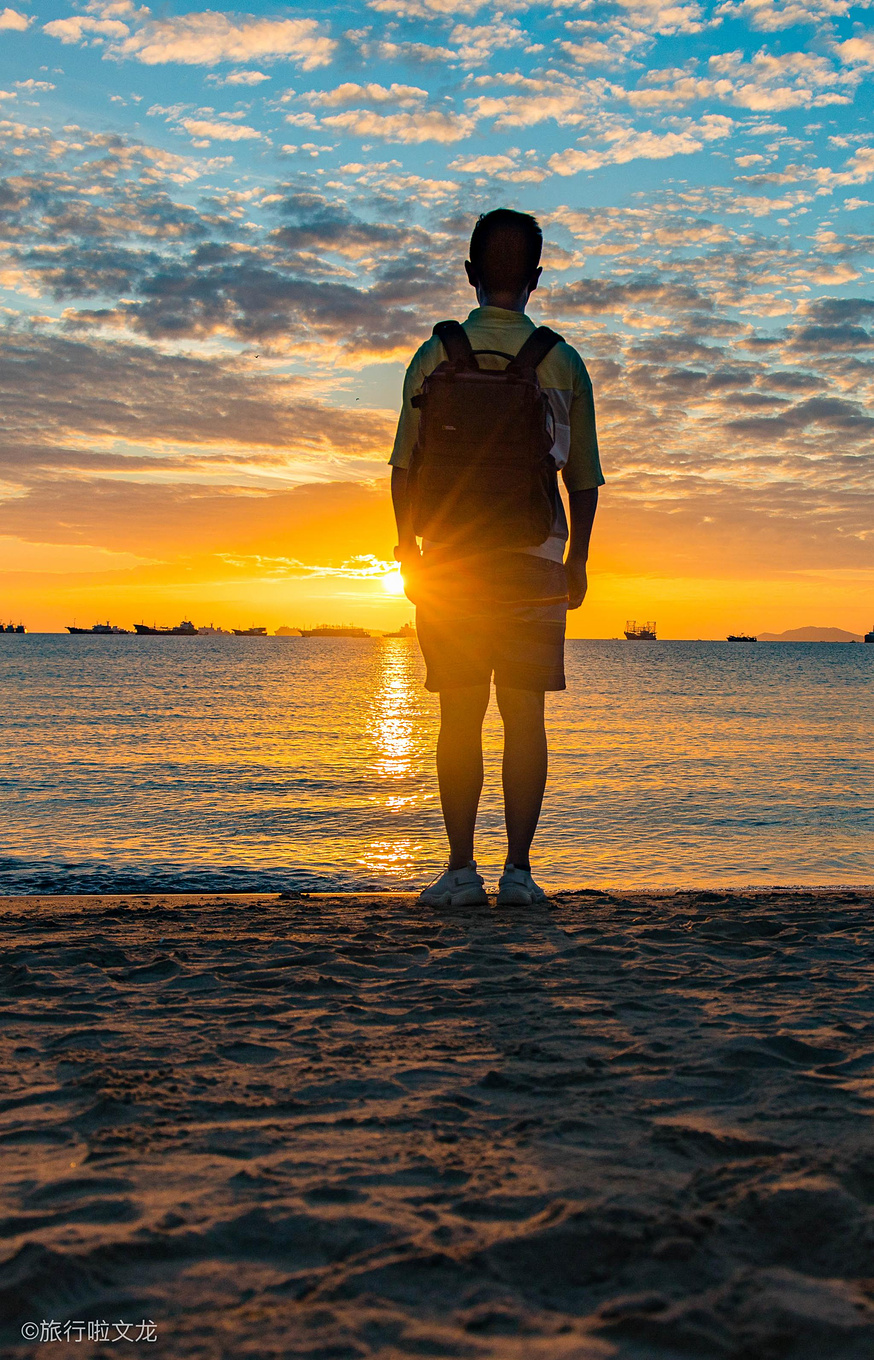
(505, 249)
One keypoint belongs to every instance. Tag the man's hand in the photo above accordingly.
(577, 581)
(583, 505)
(410, 560)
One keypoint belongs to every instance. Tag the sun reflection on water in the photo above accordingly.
(397, 733)
(394, 712)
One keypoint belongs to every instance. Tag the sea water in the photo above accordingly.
(207, 763)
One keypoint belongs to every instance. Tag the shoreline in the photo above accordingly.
(561, 896)
(629, 1124)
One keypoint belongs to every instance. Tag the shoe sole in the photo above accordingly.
(468, 897)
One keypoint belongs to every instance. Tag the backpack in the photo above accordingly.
(482, 473)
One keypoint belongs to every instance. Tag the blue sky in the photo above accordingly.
(223, 233)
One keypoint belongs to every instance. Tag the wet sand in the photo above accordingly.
(633, 1125)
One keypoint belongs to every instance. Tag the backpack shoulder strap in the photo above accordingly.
(455, 342)
(535, 349)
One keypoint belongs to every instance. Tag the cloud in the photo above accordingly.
(204, 39)
(238, 78)
(475, 44)
(399, 96)
(223, 294)
(653, 16)
(507, 167)
(831, 311)
(593, 297)
(74, 30)
(61, 397)
(211, 129)
(395, 53)
(767, 82)
(628, 144)
(10, 19)
(769, 16)
(428, 125)
(312, 221)
(857, 51)
(364, 567)
(859, 169)
(430, 9)
(596, 51)
(526, 100)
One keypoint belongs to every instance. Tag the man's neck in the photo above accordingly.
(505, 302)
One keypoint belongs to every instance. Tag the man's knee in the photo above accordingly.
(521, 707)
(464, 707)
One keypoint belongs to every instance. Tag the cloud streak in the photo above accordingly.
(202, 39)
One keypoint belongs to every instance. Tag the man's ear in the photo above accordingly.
(535, 279)
(471, 274)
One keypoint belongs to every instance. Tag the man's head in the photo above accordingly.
(505, 258)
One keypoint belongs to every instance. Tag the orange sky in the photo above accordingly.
(322, 553)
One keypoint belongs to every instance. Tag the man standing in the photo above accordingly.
(489, 603)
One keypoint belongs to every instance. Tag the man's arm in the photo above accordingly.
(407, 551)
(583, 505)
(400, 500)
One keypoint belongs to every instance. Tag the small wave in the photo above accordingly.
(31, 877)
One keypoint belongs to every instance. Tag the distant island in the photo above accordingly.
(811, 635)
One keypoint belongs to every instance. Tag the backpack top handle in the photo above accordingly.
(462, 355)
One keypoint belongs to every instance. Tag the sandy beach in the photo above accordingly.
(632, 1125)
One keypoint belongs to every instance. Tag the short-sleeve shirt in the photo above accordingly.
(564, 379)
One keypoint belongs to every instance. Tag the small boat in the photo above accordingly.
(644, 632)
(406, 631)
(102, 628)
(741, 637)
(183, 629)
(250, 632)
(326, 630)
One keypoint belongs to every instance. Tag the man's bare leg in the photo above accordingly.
(524, 768)
(460, 766)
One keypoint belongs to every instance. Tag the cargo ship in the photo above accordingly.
(405, 631)
(741, 637)
(250, 632)
(869, 637)
(326, 630)
(102, 628)
(183, 629)
(643, 632)
(12, 628)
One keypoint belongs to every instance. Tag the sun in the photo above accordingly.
(393, 582)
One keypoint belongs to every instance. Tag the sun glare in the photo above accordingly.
(393, 583)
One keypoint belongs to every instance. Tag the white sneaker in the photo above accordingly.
(517, 888)
(455, 888)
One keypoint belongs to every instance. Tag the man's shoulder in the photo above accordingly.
(562, 367)
(427, 356)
